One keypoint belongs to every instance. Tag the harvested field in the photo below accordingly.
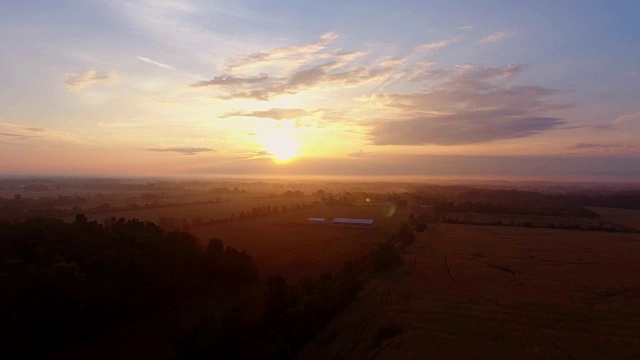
(498, 293)
(627, 217)
(283, 243)
(534, 220)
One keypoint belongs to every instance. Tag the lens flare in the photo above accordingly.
(389, 210)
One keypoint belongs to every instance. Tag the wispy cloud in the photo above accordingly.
(336, 72)
(303, 52)
(596, 146)
(182, 150)
(360, 153)
(80, 80)
(29, 134)
(624, 122)
(497, 37)
(602, 148)
(274, 113)
(438, 44)
(123, 125)
(153, 62)
(466, 106)
(15, 136)
(466, 27)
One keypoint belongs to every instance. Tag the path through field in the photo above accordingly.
(497, 293)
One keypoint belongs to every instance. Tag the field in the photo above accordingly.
(282, 243)
(534, 220)
(627, 217)
(500, 293)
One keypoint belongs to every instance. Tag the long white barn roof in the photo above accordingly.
(353, 221)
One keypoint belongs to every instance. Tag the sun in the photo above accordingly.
(281, 143)
(282, 149)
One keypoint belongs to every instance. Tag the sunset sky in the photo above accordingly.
(531, 89)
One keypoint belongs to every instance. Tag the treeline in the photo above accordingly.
(63, 283)
(294, 311)
(184, 224)
(550, 225)
(400, 200)
(503, 208)
(565, 203)
(19, 208)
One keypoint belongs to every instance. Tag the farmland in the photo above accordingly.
(283, 243)
(531, 220)
(204, 211)
(497, 292)
(627, 217)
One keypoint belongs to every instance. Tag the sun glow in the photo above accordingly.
(281, 142)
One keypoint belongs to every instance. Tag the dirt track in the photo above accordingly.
(499, 293)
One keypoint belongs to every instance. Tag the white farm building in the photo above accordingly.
(364, 223)
(316, 220)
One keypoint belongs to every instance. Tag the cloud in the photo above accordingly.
(438, 44)
(257, 86)
(182, 150)
(625, 122)
(291, 69)
(466, 106)
(597, 146)
(81, 80)
(602, 149)
(230, 80)
(632, 73)
(153, 62)
(305, 51)
(15, 136)
(466, 27)
(392, 62)
(497, 37)
(335, 72)
(359, 153)
(260, 154)
(31, 135)
(180, 23)
(123, 124)
(274, 113)
(426, 63)
(460, 129)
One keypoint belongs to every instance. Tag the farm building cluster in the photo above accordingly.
(362, 223)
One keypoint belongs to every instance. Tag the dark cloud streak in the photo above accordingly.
(274, 113)
(467, 107)
(182, 150)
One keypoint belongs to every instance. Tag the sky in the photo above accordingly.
(505, 89)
